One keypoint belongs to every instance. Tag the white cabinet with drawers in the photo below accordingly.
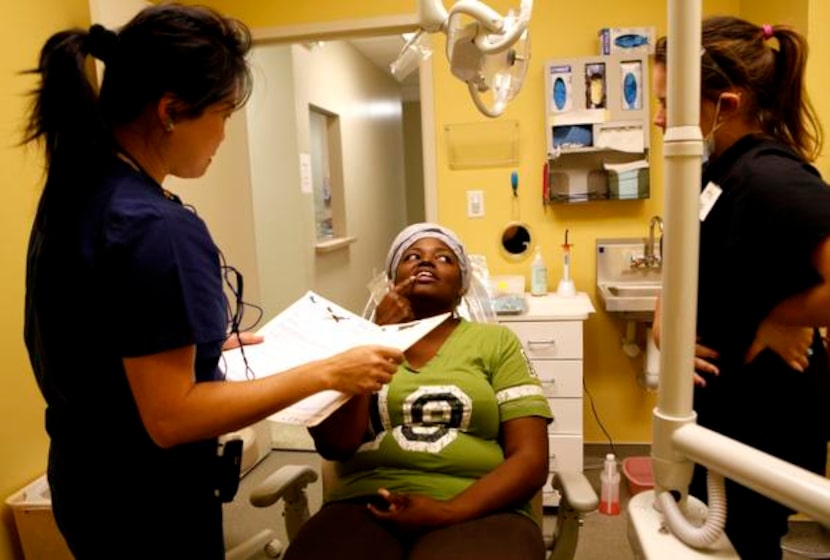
(551, 334)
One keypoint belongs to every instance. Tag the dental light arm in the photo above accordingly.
(499, 33)
(489, 53)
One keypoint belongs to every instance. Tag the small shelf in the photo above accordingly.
(578, 150)
(593, 174)
(560, 152)
(334, 244)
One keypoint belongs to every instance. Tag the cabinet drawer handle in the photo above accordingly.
(549, 342)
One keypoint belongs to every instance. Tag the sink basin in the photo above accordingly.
(628, 290)
(629, 297)
(635, 290)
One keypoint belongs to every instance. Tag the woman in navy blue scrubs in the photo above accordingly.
(125, 313)
(764, 279)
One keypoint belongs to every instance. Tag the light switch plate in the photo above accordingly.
(475, 204)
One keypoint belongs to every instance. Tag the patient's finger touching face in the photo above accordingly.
(403, 286)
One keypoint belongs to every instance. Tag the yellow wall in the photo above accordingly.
(818, 79)
(265, 14)
(794, 12)
(26, 26)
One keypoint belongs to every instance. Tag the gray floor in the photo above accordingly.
(601, 536)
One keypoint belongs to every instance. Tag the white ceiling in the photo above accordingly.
(382, 51)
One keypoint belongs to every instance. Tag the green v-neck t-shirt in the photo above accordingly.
(436, 429)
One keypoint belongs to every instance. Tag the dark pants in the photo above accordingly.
(106, 510)
(350, 530)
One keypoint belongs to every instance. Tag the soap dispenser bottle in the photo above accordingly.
(538, 275)
(609, 500)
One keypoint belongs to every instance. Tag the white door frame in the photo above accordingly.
(384, 25)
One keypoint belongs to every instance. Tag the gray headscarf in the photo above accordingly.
(413, 233)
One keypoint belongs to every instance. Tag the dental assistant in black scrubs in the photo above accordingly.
(764, 270)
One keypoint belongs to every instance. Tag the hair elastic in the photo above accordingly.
(101, 43)
(768, 31)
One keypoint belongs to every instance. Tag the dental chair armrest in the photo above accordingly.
(576, 490)
(284, 483)
(577, 497)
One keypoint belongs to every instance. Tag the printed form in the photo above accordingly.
(314, 328)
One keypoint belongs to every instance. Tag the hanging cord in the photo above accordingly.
(235, 309)
(597, 418)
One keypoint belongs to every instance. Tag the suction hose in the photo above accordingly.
(712, 528)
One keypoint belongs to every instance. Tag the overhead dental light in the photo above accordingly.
(488, 52)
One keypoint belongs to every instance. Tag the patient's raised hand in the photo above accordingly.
(395, 306)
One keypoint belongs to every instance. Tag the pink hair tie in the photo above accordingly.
(767, 30)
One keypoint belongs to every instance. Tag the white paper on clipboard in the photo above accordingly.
(314, 328)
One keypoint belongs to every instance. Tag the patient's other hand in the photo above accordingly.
(412, 511)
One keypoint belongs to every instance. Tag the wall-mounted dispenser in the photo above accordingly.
(597, 128)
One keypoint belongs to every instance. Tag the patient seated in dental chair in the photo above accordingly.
(442, 463)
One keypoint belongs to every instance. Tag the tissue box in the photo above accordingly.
(628, 181)
(627, 40)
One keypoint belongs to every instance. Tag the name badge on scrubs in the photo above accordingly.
(708, 198)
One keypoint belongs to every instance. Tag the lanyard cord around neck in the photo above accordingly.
(127, 158)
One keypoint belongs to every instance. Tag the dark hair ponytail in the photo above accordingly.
(189, 52)
(64, 113)
(794, 117)
(743, 55)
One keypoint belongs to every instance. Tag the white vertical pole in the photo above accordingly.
(683, 147)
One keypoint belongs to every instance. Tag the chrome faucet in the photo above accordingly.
(652, 256)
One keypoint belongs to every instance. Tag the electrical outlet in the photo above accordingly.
(475, 204)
